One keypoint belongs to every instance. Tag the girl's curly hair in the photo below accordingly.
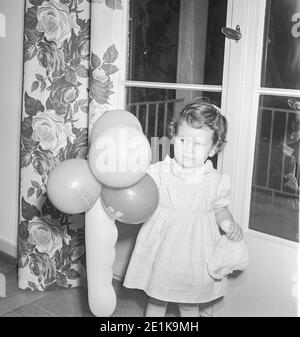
(202, 112)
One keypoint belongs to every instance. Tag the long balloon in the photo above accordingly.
(100, 237)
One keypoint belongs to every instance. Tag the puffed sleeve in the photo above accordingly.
(222, 193)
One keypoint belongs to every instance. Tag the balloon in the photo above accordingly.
(120, 156)
(114, 118)
(100, 239)
(134, 204)
(72, 188)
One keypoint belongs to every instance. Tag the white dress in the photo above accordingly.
(169, 260)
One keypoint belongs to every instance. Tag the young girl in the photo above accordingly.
(169, 261)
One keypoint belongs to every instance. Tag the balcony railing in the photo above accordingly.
(272, 164)
(154, 115)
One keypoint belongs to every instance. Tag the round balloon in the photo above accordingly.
(72, 188)
(134, 204)
(113, 118)
(120, 156)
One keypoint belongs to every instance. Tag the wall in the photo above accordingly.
(11, 62)
(268, 287)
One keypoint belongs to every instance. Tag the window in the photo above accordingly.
(176, 52)
(281, 62)
(275, 186)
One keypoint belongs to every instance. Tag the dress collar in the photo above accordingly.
(193, 175)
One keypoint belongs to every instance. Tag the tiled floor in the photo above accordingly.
(65, 302)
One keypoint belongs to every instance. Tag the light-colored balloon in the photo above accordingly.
(113, 118)
(71, 186)
(134, 204)
(120, 156)
(100, 239)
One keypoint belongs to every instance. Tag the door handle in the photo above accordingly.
(232, 34)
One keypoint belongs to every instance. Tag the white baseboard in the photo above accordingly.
(8, 247)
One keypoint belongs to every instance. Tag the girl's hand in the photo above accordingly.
(235, 232)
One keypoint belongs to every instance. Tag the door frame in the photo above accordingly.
(239, 103)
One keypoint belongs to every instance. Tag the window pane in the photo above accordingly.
(275, 185)
(155, 108)
(281, 61)
(177, 41)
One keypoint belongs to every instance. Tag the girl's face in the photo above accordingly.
(193, 146)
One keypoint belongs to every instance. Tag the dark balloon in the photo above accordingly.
(134, 204)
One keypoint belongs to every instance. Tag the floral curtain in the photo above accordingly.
(68, 82)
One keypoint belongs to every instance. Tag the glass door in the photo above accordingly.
(262, 155)
(275, 186)
(175, 51)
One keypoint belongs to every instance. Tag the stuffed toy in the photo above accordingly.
(227, 255)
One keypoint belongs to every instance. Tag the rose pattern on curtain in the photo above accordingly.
(63, 83)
